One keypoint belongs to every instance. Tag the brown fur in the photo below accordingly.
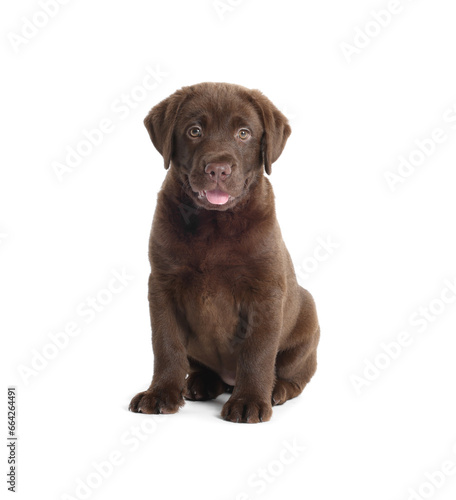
(226, 309)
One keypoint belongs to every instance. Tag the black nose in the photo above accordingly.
(218, 171)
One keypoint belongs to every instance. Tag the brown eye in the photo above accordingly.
(244, 134)
(194, 132)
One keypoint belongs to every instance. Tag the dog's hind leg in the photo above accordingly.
(296, 365)
(203, 383)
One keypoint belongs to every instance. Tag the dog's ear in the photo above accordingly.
(276, 130)
(160, 123)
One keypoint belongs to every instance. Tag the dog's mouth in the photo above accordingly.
(215, 196)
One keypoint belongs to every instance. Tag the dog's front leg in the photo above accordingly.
(255, 372)
(170, 357)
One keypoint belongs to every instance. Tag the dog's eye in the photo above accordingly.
(194, 132)
(244, 134)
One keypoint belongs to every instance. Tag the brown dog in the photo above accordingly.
(225, 306)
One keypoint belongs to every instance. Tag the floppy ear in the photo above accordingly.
(276, 130)
(160, 124)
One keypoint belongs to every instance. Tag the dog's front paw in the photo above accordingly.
(153, 401)
(245, 410)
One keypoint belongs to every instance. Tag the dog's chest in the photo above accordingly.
(211, 295)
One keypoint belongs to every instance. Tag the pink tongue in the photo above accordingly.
(217, 197)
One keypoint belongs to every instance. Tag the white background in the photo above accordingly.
(60, 241)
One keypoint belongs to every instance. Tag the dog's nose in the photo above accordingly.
(218, 171)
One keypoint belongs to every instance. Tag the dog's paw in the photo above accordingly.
(280, 393)
(284, 390)
(155, 402)
(204, 385)
(244, 410)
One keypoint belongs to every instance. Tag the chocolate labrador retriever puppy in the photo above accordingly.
(227, 312)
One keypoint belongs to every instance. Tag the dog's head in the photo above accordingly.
(218, 137)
